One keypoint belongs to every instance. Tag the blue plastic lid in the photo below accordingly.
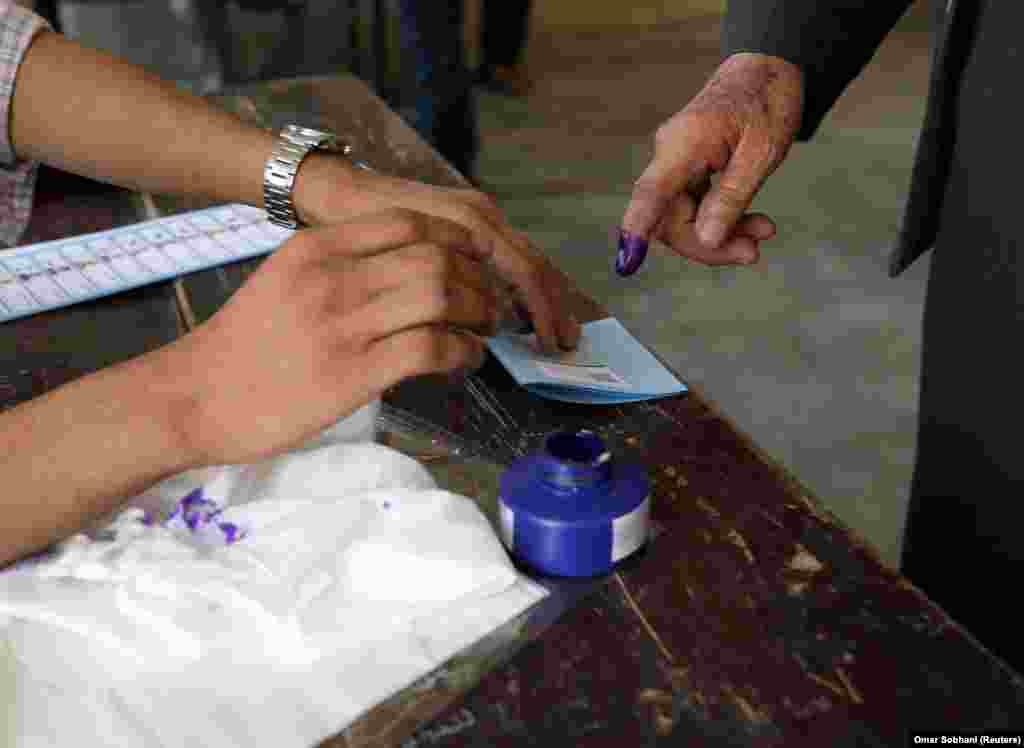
(574, 480)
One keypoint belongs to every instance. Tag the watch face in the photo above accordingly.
(305, 132)
(313, 138)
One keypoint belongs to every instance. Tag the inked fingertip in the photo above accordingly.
(631, 252)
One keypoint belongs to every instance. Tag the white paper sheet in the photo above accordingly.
(355, 577)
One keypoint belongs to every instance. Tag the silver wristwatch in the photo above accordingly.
(293, 145)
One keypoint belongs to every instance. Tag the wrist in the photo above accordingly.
(324, 180)
(172, 397)
(788, 74)
(759, 58)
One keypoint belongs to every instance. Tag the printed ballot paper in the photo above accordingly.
(609, 366)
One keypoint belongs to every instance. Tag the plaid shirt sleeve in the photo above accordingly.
(18, 27)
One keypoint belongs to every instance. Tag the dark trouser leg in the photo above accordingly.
(505, 26)
(439, 90)
(963, 542)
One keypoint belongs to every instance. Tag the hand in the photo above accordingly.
(327, 323)
(328, 190)
(741, 126)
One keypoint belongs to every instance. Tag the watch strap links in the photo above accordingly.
(294, 143)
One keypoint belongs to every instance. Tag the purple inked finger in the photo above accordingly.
(632, 251)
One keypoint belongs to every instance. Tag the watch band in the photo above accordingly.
(293, 145)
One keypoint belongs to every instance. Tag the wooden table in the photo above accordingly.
(754, 617)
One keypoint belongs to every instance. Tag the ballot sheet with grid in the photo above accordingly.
(49, 275)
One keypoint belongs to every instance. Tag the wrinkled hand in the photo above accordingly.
(329, 190)
(740, 127)
(327, 323)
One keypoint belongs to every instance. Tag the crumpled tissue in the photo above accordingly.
(262, 604)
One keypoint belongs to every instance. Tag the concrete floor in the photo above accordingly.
(814, 351)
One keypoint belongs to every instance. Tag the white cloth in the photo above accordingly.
(354, 576)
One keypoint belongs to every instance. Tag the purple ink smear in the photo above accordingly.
(196, 497)
(197, 513)
(231, 531)
(632, 251)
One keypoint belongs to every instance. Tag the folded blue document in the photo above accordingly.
(610, 366)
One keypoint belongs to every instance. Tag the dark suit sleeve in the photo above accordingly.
(830, 40)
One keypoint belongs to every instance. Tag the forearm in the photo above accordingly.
(87, 112)
(75, 454)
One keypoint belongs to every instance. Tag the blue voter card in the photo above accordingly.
(609, 366)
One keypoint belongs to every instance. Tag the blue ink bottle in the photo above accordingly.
(572, 510)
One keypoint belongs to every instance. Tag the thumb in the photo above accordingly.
(728, 201)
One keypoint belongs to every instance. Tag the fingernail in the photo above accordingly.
(711, 233)
(523, 319)
(569, 343)
(632, 251)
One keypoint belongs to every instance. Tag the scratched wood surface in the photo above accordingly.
(754, 617)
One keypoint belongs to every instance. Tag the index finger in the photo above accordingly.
(653, 192)
(535, 283)
(653, 196)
